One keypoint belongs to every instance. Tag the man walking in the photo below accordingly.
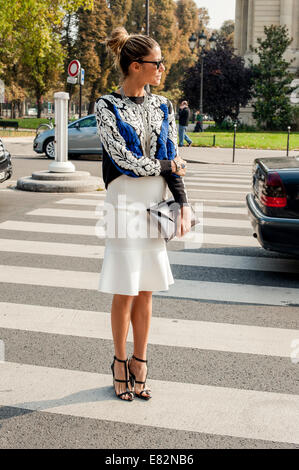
(184, 116)
(199, 122)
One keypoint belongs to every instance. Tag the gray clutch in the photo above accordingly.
(164, 216)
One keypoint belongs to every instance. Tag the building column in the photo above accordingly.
(286, 14)
(244, 31)
(250, 25)
(238, 25)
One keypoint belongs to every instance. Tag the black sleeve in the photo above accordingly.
(175, 183)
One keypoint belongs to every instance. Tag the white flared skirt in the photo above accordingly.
(135, 257)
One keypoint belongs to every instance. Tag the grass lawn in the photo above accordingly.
(246, 140)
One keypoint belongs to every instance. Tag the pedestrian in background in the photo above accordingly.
(184, 116)
(199, 121)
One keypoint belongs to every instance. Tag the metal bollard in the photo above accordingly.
(234, 146)
(61, 163)
(288, 144)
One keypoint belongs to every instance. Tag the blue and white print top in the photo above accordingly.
(138, 143)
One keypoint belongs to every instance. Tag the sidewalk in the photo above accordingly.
(224, 156)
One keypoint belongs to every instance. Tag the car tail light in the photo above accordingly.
(273, 193)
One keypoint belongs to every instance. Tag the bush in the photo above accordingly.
(228, 125)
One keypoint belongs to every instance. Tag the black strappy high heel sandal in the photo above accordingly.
(131, 394)
(133, 380)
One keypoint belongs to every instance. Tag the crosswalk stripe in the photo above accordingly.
(198, 290)
(172, 332)
(218, 191)
(218, 185)
(215, 410)
(191, 240)
(207, 208)
(38, 227)
(240, 203)
(229, 292)
(218, 174)
(251, 263)
(84, 214)
(175, 257)
(204, 178)
(51, 248)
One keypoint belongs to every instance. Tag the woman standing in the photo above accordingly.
(139, 137)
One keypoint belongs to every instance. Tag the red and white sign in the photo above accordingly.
(74, 68)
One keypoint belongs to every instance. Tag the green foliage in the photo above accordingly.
(271, 80)
(31, 54)
(228, 125)
(187, 15)
(226, 82)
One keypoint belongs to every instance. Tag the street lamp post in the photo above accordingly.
(201, 42)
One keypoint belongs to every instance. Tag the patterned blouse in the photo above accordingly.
(139, 141)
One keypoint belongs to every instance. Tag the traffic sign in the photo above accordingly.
(82, 75)
(74, 68)
(72, 80)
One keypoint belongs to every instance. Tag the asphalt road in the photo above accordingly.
(220, 348)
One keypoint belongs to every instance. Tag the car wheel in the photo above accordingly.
(49, 148)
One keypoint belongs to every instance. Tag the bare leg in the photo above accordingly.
(140, 317)
(120, 322)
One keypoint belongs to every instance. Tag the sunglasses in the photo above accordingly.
(156, 62)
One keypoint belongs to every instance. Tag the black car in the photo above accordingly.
(5, 163)
(273, 207)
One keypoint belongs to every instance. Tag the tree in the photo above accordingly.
(227, 31)
(164, 29)
(30, 41)
(271, 80)
(227, 83)
(187, 15)
(91, 51)
(204, 19)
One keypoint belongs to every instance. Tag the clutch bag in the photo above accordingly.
(164, 216)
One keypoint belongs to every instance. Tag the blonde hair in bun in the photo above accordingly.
(117, 40)
(127, 48)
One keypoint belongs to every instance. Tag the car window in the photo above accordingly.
(89, 122)
(72, 125)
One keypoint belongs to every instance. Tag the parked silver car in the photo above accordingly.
(82, 139)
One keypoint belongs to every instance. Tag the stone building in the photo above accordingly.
(251, 17)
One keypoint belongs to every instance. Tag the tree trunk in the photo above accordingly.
(13, 110)
(92, 97)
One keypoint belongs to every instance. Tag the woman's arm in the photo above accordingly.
(127, 161)
(175, 183)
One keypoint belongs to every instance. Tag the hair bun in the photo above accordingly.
(117, 40)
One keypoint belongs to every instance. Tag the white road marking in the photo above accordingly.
(215, 410)
(164, 331)
(190, 289)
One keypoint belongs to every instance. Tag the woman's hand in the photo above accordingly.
(183, 164)
(184, 221)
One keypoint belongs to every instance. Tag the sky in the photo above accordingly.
(219, 11)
